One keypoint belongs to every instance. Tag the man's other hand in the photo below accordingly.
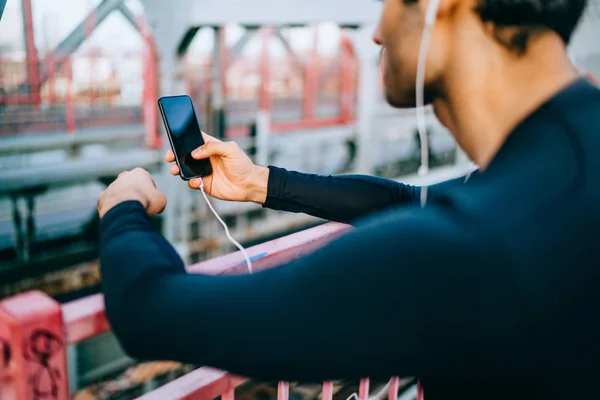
(136, 185)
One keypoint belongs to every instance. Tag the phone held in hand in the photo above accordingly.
(184, 135)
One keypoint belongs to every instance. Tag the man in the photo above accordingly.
(496, 278)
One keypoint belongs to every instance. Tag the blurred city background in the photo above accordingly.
(79, 80)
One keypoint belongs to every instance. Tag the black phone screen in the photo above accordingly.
(184, 134)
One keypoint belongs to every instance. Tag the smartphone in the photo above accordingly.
(184, 135)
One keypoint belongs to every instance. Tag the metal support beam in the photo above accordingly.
(345, 46)
(217, 95)
(77, 36)
(32, 87)
(297, 61)
(265, 94)
(311, 77)
(130, 17)
(263, 126)
(167, 32)
(239, 46)
(186, 41)
(367, 52)
(347, 70)
(275, 12)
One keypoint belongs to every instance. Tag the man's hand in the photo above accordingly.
(234, 177)
(135, 185)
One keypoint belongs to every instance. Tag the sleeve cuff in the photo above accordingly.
(126, 214)
(274, 185)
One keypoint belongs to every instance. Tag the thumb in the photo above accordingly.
(210, 149)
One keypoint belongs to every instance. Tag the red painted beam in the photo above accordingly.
(265, 95)
(151, 89)
(33, 323)
(33, 65)
(90, 26)
(85, 318)
(347, 79)
(272, 253)
(311, 77)
(224, 52)
(69, 106)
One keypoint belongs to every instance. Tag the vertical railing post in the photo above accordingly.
(327, 393)
(363, 389)
(393, 390)
(33, 337)
(283, 391)
(420, 392)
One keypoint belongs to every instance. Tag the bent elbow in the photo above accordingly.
(129, 332)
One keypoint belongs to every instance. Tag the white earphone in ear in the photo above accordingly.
(430, 16)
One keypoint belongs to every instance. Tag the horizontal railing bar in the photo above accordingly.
(85, 318)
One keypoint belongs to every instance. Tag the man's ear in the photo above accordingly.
(445, 7)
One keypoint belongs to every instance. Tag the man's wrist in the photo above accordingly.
(258, 182)
(110, 201)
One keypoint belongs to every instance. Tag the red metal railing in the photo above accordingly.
(35, 331)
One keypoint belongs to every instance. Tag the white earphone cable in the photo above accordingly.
(239, 246)
(430, 15)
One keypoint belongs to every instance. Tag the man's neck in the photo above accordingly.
(483, 111)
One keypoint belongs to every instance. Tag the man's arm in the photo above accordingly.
(411, 293)
(343, 198)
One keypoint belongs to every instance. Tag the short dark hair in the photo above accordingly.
(532, 16)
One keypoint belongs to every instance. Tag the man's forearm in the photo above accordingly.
(264, 326)
(341, 198)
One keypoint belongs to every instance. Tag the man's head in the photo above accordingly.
(466, 36)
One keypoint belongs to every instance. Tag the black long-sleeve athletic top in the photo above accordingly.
(491, 291)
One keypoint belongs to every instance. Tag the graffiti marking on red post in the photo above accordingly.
(41, 347)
